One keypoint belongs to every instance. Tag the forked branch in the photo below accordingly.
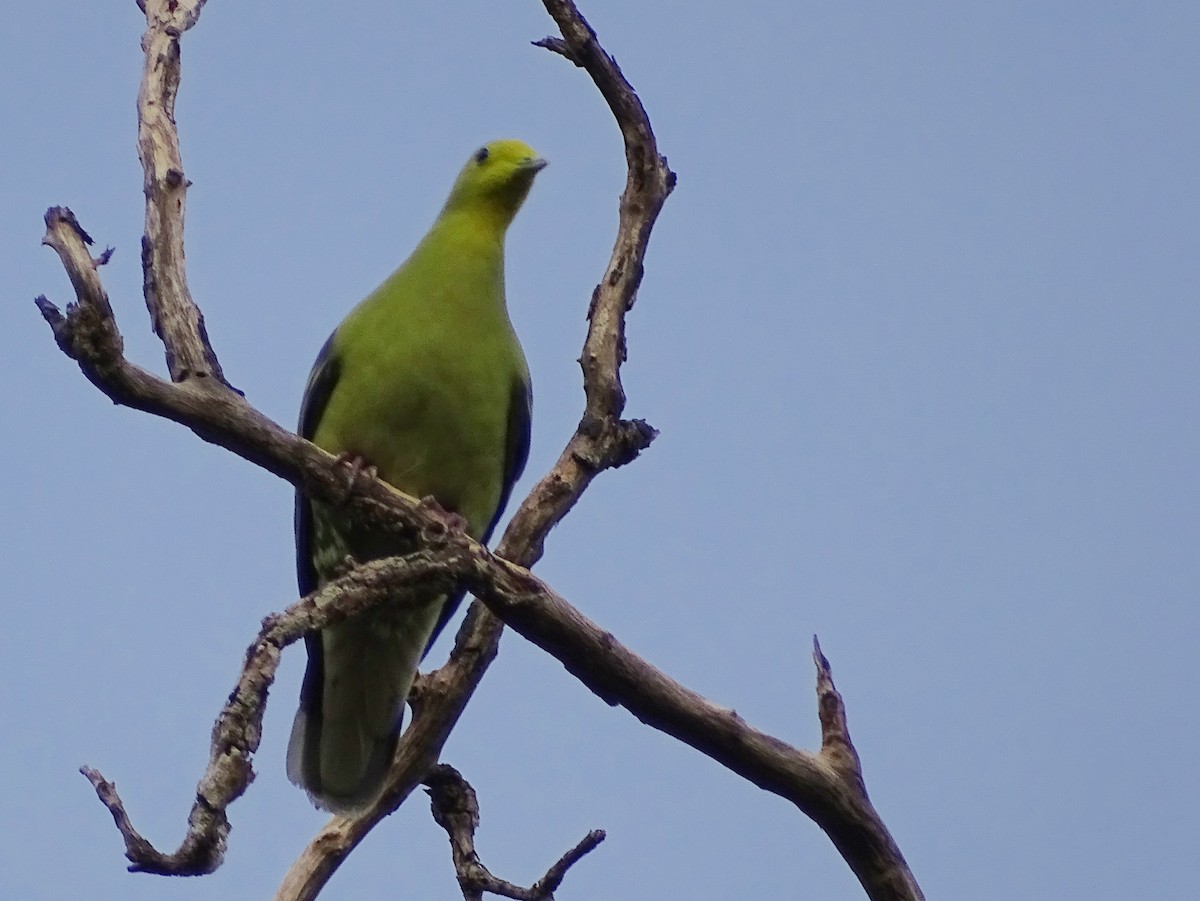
(827, 786)
(456, 809)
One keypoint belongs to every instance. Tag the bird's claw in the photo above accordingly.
(345, 566)
(447, 519)
(357, 467)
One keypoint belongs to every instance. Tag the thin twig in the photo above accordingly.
(455, 808)
(836, 746)
(549, 884)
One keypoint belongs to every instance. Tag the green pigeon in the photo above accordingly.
(426, 383)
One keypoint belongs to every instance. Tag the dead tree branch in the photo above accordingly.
(455, 808)
(827, 786)
(238, 730)
(176, 318)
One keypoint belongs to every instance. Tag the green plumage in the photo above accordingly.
(425, 381)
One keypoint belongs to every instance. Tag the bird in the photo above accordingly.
(425, 384)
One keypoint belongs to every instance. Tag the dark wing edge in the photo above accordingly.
(516, 451)
(516, 455)
(321, 382)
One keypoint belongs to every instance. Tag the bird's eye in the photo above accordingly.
(481, 154)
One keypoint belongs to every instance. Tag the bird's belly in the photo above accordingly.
(443, 438)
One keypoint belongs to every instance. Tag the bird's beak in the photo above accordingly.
(537, 164)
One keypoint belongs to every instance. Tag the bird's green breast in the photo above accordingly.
(427, 366)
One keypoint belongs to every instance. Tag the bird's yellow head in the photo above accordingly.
(496, 178)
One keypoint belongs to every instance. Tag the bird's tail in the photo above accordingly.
(352, 704)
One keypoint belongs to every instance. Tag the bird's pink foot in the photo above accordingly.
(345, 566)
(357, 468)
(449, 520)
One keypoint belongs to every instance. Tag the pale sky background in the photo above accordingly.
(919, 327)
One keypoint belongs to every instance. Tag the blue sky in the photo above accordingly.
(919, 328)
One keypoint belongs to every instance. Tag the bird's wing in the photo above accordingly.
(516, 451)
(321, 381)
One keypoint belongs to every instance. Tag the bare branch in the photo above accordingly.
(238, 730)
(827, 786)
(88, 329)
(559, 46)
(815, 783)
(554, 877)
(836, 746)
(176, 318)
(455, 808)
(136, 847)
